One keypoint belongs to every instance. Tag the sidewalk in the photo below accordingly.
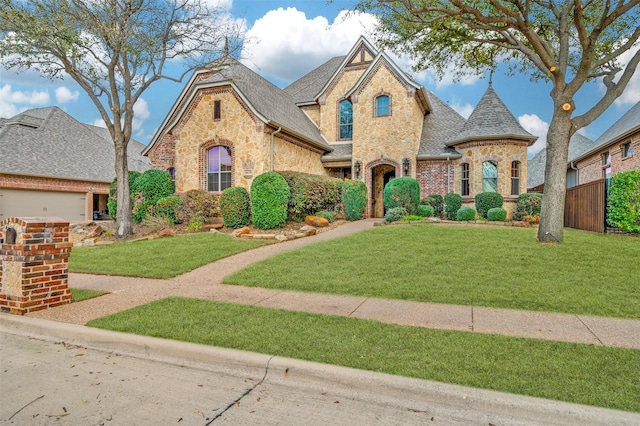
(206, 283)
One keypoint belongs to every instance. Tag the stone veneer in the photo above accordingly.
(33, 269)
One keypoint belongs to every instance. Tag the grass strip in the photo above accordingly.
(158, 258)
(593, 375)
(80, 294)
(503, 267)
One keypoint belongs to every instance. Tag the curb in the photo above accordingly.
(358, 384)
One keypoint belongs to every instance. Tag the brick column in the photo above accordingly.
(34, 255)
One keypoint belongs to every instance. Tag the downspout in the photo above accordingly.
(448, 175)
(273, 148)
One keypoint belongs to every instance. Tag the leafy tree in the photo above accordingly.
(569, 43)
(114, 50)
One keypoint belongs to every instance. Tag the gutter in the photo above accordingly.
(336, 159)
(447, 157)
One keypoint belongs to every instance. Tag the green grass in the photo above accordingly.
(591, 274)
(593, 375)
(80, 294)
(158, 258)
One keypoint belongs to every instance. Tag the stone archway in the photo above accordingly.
(380, 175)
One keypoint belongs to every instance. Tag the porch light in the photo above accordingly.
(405, 166)
(356, 169)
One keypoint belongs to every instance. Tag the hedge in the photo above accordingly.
(624, 201)
(354, 199)
(527, 205)
(486, 201)
(147, 189)
(235, 207)
(269, 199)
(311, 193)
(402, 192)
(452, 203)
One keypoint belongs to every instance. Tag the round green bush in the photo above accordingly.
(402, 192)
(528, 204)
(235, 207)
(452, 203)
(486, 201)
(330, 216)
(466, 213)
(497, 214)
(436, 201)
(167, 207)
(354, 199)
(395, 214)
(269, 199)
(147, 189)
(624, 201)
(425, 211)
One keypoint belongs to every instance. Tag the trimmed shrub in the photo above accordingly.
(497, 214)
(410, 218)
(147, 189)
(466, 213)
(167, 208)
(269, 199)
(402, 192)
(425, 211)
(112, 201)
(436, 201)
(200, 204)
(527, 205)
(311, 193)
(235, 207)
(486, 201)
(330, 216)
(452, 203)
(354, 199)
(624, 201)
(394, 214)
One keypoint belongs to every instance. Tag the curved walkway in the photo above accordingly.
(206, 283)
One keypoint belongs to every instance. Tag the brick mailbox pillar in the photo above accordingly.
(34, 255)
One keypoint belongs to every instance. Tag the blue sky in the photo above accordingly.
(290, 38)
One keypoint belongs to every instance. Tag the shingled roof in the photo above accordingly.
(304, 90)
(442, 124)
(48, 142)
(491, 119)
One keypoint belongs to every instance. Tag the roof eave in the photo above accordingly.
(613, 141)
(447, 157)
(530, 139)
(314, 143)
(324, 158)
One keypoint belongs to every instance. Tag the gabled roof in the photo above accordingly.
(304, 90)
(491, 119)
(269, 103)
(626, 125)
(535, 166)
(442, 124)
(49, 142)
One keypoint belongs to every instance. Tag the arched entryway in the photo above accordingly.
(380, 176)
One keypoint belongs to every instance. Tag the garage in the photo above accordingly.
(70, 206)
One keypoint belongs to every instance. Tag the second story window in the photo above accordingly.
(346, 120)
(382, 106)
(217, 110)
(627, 150)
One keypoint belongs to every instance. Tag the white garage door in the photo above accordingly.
(22, 203)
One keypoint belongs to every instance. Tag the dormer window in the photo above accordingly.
(346, 120)
(383, 106)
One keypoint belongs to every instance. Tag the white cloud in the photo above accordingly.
(464, 110)
(64, 95)
(285, 44)
(98, 122)
(140, 114)
(14, 101)
(631, 94)
(537, 127)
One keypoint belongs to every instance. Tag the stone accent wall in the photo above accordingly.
(34, 264)
(592, 167)
(55, 184)
(313, 112)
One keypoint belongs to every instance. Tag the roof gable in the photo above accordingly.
(491, 119)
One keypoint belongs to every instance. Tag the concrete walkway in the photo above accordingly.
(206, 283)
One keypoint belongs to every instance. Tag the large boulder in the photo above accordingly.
(318, 222)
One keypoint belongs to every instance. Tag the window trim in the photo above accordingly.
(217, 110)
(465, 187)
(627, 150)
(219, 173)
(348, 125)
(487, 178)
(515, 178)
(375, 105)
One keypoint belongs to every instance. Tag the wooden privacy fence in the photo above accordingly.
(585, 206)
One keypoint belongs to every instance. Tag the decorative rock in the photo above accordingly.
(166, 232)
(308, 230)
(317, 221)
(242, 231)
(212, 226)
(281, 237)
(434, 219)
(522, 224)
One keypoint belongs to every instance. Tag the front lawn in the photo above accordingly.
(584, 374)
(158, 258)
(589, 274)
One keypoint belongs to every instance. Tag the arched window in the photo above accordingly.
(490, 176)
(218, 168)
(464, 178)
(383, 106)
(346, 119)
(515, 178)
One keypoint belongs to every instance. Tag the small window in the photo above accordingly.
(606, 159)
(217, 113)
(172, 173)
(464, 173)
(346, 119)
(515, 178)
(219, 168)
(627, 150)
(382, 106)
(490, 176)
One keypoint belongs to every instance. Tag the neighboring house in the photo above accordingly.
(356, 116)
(616, 150)
(53, 165)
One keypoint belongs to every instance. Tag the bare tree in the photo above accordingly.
(567, 42)
(115, 50)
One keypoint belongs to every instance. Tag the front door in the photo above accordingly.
(380, 176)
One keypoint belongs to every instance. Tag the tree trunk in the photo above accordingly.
(124, 226)
(555, 179)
